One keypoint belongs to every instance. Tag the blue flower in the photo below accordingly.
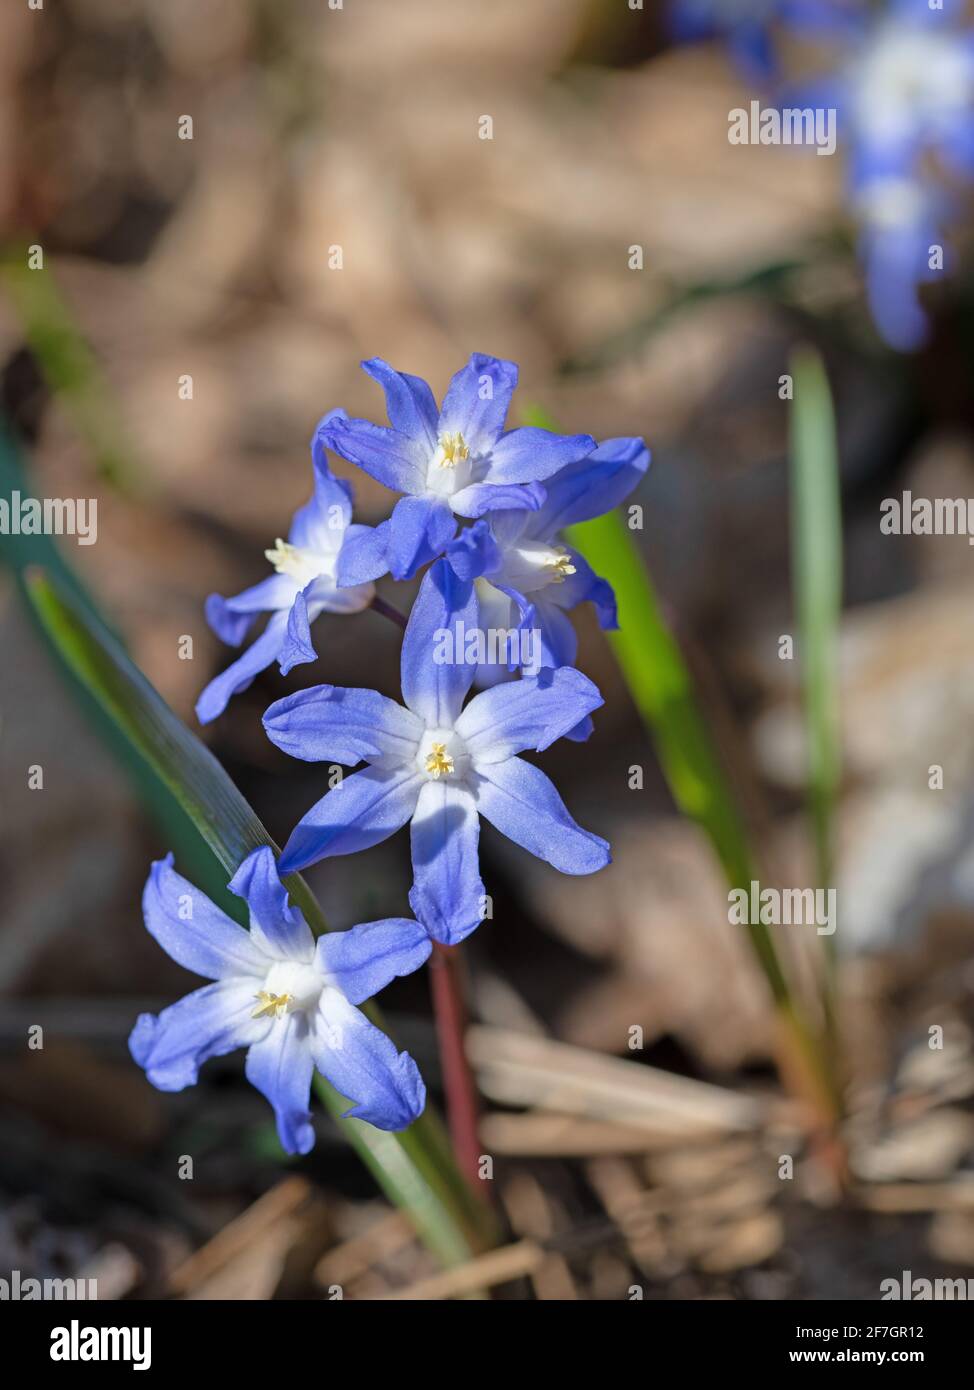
(302, 586)
(744, 24)
(528, 578)
(439, 765)
(903, 92)
(289, 1001)
(455, 461)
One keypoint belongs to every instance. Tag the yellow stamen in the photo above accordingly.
(283, 556)
(562, 567)
(455, 450)
(438, 761)
(270, 1005)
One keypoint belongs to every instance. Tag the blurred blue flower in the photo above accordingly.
(455, 461)
(289, 1001)
(528, 578)
(438, 765)
(903, 91)
(745, 25)
(302, 586)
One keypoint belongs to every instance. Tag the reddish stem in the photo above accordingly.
(449, 1008)
(388, 611)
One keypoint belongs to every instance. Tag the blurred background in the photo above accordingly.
(359, 128)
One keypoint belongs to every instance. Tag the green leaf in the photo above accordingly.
(663, 691)
(414, 1168)
(816, 538)
(68, 364)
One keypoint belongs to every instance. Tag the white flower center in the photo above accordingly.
(891, 203)
(289, 986)
(442, 755)
(910, 77)
(534, 565)
(300, 565)
(451, 467)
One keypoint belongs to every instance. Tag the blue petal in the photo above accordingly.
(559, 641)
(447, 894)
(361, 811)
(335, 723)
(445, 607)
(585, 586)
(591, 487)
(364, 556)
(476, 401)
(297, 648)
(474, 552)
(364, 1066)
(193, 930)
(210, 1022)
(393, 459)
(230, 618)
(529, 713)
(522, 803)
(281, 1067)
(364, 960)
(530, 455)
(419, 528)
(278, 926)
(320, 524)
(240, 674)
(409, 401)
(480, 498)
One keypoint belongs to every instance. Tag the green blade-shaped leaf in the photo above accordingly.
(415, 1168)
(816, 537)
(664, 693)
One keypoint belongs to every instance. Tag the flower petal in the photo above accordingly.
(335, 723)
(393, 459)
(474, 552)
(240, 674)
(321, 523)
(364, 960)
(193, 930)
(278, 926)
(529, 713)
(476, 401)
(531, 454)
(480, 498)
(591, 487)
(409, 402)
(419, 528)
(445, 608)
(230, 618)
(281, 1067)
(448, 894)
(364, 1066)
(522, 803)
(210, 1022)
(361, 811)
(364, 556)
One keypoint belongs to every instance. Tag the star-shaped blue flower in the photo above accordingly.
(454, 461)
(288, 1000)
(439, 765)
(528, 578)
(303, 585)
